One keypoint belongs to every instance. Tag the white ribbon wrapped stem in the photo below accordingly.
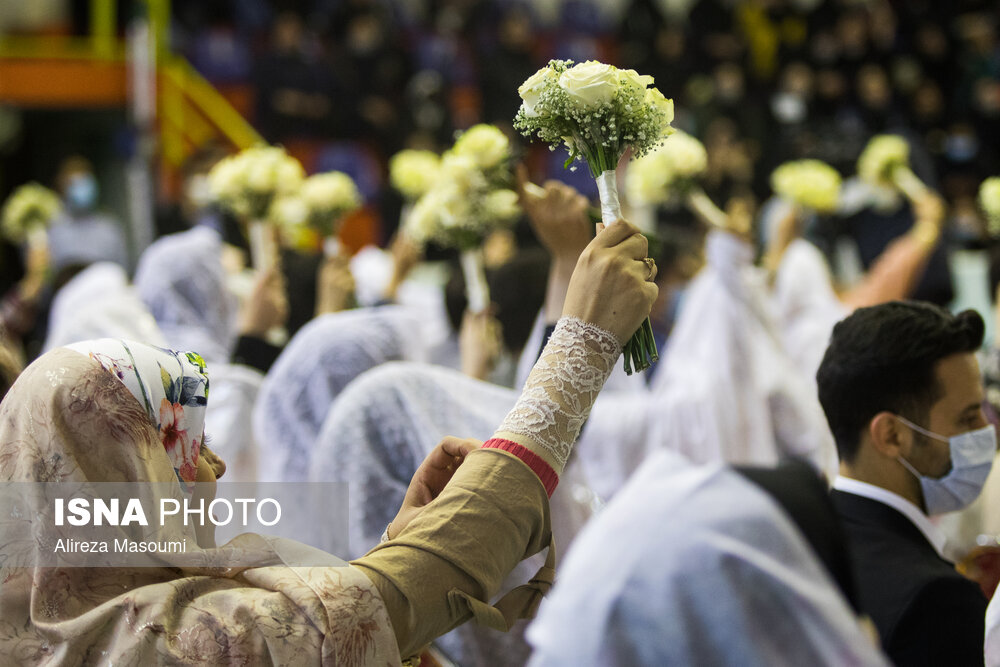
(331, 246)
(476, 290)
(706, 209)
(262, 249)
(607, 188)
(908, 182)
(38, 237)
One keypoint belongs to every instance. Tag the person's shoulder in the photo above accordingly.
(955, 592)
(942, 624)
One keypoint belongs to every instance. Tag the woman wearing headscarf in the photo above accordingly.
(108, 412)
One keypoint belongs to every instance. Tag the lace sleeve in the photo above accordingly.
(561, 389)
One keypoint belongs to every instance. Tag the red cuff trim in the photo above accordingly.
(545, 473)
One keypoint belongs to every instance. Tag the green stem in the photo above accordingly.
(640, 351)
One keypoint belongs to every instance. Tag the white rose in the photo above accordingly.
(656, 99)
(686, 156)
(423, 219)
(260, 177)
(647, 178)
(989, 201)
(414, 172)
(501, 205)
(591, 84)
(289, 174)
(642, 81)
(332, 190)
(454, 206)
(532, 89)
(289, 212)
(31, 206)
(882, 154)
(224, 179)
(485, 144)
(810, 183)
(461, 172)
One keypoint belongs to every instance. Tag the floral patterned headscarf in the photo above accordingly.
(171, 386)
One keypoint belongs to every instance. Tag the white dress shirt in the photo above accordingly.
(898, 503)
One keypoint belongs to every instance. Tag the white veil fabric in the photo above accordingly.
(379, 431)
(725, 390)
(693, 565)
(807, 307)
(181, 279)
(99, 303)
(991, 645)
(309, 374)
(229, 419)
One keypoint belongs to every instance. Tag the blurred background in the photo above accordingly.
(150, 92)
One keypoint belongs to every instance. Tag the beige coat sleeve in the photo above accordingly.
(449, 562)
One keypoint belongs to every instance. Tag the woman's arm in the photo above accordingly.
(449, 558)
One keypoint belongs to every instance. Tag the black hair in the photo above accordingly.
(883, 358)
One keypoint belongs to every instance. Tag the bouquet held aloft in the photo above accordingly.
(599, 112)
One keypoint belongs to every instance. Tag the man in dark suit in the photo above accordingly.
(902, 393)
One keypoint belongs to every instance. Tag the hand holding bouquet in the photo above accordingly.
(598, 111)
(27, 214)
(885, 161)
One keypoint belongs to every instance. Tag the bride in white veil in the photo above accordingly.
(320, 360)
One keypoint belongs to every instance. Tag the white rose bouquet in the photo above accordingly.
(673, 167)
(598, 111)
(487, 146)
(461, 210)
(414, 172)
(329, 197)
(319, 205)
(248, 183)
(885, 161)
(989, 201)
(808, 183)
(28, 212)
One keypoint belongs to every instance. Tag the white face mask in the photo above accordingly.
(971, 460)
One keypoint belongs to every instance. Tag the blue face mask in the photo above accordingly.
(81, 193)
(971, 460)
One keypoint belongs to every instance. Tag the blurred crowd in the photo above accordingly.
(759, 81)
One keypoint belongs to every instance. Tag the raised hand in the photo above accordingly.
(334, 286)
(558, 216)
(267, 307)
(405, 255)
(612, 286)
(479, 344)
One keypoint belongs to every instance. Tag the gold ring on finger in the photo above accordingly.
(650, 267)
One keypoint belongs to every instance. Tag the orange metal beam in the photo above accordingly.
(62, 83)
